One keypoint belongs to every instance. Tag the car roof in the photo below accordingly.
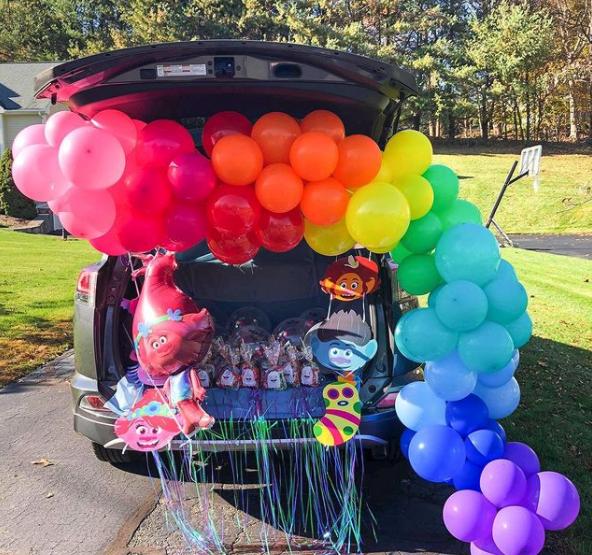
(199, 78)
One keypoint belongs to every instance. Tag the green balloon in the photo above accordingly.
(460, 212)
(418, 274)
(400, 253)
(445, 185)
(423, 234)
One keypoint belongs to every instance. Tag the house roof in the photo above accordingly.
(17, 86)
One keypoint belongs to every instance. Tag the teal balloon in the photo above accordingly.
(468, 252)
(434, 295)
(445, 185)
(400, 253)
(501, 401)
(506, 271)
(459, 212)
(423, 234)
(420, 336)
(461, 305)
(520, 330)
(487, 348)
(507, 300)
(418, 275)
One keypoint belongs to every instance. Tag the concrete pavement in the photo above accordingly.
(579, 246)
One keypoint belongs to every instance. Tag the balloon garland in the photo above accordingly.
(129, 186)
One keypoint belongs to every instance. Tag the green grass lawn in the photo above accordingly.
(37, 280)
(563, 203)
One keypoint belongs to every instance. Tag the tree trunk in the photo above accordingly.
(451, 126)
(483, 119)
(527, 108)
(573, 125)
(417, 121)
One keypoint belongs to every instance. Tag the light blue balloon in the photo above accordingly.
(501, 401)
(505, 271)
(503, 376)
(520, 330)
(487, 348)
(418, 406)
(449, 378)
(433, 295)
(420, 336)
(507, 300)
(469, 252)
(461, 305)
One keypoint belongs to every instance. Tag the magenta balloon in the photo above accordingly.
(37, 174)
(192, 177)
(92, 158)
(120, 125)
(32, 135)
(518, 531)
(60, 125)
(553, 498)
(87, 214)
(139, 124)
(468, 515)
(109, 244)
(503, 483)
(522, 455)
(139, 233)
(149, 192)
(485, 546)
(161, 141)
(185, 225)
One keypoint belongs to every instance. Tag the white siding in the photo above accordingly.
(2, 146)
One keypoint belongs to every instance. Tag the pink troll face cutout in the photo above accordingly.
(150, 424)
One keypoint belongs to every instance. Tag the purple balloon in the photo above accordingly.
(522, 455)
(468, 516)
(518, 531)
(553, 498)
(485, 546)
(503, 483)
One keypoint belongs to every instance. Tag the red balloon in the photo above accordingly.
(222, 124)
(148, 191)
(109, 243)
(280, 232)
(233, 210)
(232, 250)
(185, 225)
(160, 141)
(192, 177)
(140, 233)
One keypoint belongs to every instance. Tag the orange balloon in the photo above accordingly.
(237, 159)
(274, 133)
(359, 161)
(278, 188)
(324, 202)
(326, 122)
(314, 156)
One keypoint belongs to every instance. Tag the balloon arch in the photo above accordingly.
(127, 186)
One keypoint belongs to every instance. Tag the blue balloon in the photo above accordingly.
(468, 251)
(468, 477)
(503, 376)
(484, 446)
(461, 305)
(418, 406)
(405, 440)
(487, 348)
(437, 453)
(420, 336)
(505, 271)
(520, 330)
(507, 300)
(433, 295)
(501, 401)
(449, 378)
(496, 427)
(467, 415)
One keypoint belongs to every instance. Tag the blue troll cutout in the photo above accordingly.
(344, 343)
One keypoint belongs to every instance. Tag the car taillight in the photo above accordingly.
(85, 286)
(388, 401)
(94, 402)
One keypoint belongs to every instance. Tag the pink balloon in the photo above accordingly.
(108, 244)
(148, 191)
(120, 125)
(192, 177)
(139, 233)
(161, 141)
(87, 214)
(36, 173)
(139, 124)
(92, 158)
(32, 135)
(60, 125)
(185, 225)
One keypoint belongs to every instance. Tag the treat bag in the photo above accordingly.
(273, 377)
(249, 373)
(310, 375)
(291, 367)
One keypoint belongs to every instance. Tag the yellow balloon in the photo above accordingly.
(385, 174)
(418, 192)
(328, 240)
(377, 216)
(408, 152)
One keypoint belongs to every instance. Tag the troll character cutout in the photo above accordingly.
(349, 279)
(343, 343)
